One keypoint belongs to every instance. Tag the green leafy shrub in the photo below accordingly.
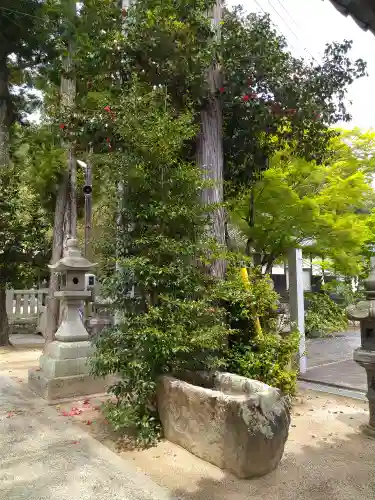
(168, 317)
(323, 316)
(344, 292)
(171, 315)
(267, 357)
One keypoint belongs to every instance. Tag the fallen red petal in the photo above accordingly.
(89, 422)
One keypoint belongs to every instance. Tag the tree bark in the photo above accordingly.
(210, 154)
(57, 249)
(67, 190)
(4, 324)
(4, 113)
(5, 121)
(73, 194)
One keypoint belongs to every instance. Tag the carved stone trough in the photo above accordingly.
(235, 423)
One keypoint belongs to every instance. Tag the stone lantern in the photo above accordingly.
(364, 312)
(72, 268)
(64, 372)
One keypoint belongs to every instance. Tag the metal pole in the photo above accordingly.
(88, 205)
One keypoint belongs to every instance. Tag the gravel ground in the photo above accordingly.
(326, 456)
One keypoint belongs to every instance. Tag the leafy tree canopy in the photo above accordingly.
(24, 225)
(320, 206)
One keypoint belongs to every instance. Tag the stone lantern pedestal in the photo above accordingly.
(63, 371)
(364, 312)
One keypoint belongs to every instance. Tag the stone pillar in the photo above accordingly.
(364, 312)
(63, 371)
(296, 301)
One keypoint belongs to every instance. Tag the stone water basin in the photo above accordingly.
(238, 424)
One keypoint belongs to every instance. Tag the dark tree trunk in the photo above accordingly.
(73, 194)
(5, 122)
(66, 196)
(251, 221)
(57, 248)
(269, 266)
(4, 324)
(5, 112)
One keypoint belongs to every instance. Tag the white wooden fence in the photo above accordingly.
(25, 307)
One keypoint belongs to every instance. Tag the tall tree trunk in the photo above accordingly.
(251, 221)
(4, 324)
(73, 195)
(67, 190)
(5, 121)
(210, 154)
(57, 248)
(4, 113)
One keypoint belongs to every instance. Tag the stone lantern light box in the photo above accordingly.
(72, 268)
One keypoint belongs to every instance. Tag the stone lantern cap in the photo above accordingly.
(72, 259)
(365, 309)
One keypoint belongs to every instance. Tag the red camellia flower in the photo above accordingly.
(245, 98)
(221, 90)
(109, 110)
(108, 139)
(62, 126)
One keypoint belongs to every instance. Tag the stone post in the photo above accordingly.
(364, 312)
(296, 301)
(64, 372)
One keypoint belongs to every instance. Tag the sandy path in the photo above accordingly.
(326, 457)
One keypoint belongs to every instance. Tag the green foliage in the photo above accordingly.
(244, 305)
(168, 318)
(297, 201)
(343, 292)
(267, 357)
(43, 159)
(289, 102)
(171, 44)
(23, 229)
(25, 36)
(323, 316)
